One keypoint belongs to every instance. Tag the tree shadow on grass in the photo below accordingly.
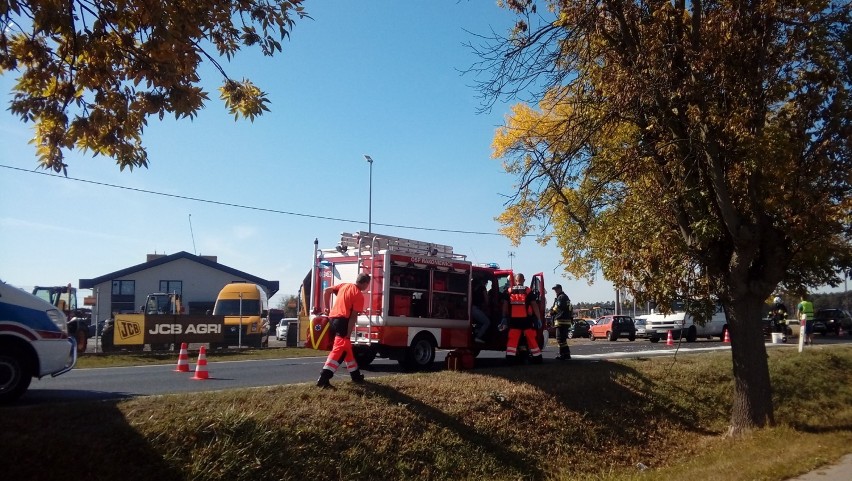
(512, 459)
(619, 400)
(94, 442)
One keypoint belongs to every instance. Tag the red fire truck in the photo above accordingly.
(419, 299)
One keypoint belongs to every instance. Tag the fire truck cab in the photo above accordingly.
(419, 299)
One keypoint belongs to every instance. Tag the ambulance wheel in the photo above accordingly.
(364, 355)
(421, 354)
(15, 375)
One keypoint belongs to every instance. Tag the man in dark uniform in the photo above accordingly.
(563, 317)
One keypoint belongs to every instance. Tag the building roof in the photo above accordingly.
(271, 286)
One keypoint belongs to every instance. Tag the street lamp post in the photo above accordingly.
(370, 206)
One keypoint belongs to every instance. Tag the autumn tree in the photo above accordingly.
(696, 150)
(92, 72)
(289, 305)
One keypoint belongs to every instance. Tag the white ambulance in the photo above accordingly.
(34, 342)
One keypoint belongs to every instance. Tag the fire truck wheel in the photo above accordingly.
(421, 354)
(364, 355)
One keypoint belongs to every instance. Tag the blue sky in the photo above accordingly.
(374, 77)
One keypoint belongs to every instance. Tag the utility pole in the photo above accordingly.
(370, 196)
(511, 259)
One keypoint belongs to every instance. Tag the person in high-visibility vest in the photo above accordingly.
(343, 316)
(805, 313)
(521, 315)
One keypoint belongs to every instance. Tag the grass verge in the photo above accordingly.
(120, 359)
(585, 421)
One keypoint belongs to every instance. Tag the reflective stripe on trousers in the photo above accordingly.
(340, 352)
(515, 337)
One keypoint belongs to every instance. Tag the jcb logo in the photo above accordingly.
(127, 329)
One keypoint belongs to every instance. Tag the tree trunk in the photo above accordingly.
(752, 396)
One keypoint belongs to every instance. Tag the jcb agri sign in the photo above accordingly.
(178, 329)
(133, 329)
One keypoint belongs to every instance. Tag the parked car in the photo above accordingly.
(580, 329)
(282, 329)
(678, 322)
(640, 322)
(770, 326)
(613, 327)
(831, 321)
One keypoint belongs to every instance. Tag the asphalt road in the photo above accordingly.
(122, 382)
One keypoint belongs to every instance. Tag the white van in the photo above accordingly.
(657, 326)
(34, 342)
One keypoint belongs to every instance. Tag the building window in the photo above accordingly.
(171, 286)
(123, 296)
(123, 288)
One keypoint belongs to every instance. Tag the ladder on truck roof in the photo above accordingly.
(376, 242)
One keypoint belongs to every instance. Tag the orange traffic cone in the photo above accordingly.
(201, 367)
(727, 336)
(183, 359)
(670, 339)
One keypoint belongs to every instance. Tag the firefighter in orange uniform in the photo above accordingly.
(348, 303)
(521, 315)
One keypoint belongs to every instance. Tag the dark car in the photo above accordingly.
(613, 327)
(770, 325)
(831, 321)
(580, 329)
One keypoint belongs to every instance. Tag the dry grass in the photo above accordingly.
(593, 421)
(130, 358)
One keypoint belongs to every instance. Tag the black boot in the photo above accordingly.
(357, 376)
(325, 376)
(564, 353)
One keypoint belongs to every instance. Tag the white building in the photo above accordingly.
(198, 279)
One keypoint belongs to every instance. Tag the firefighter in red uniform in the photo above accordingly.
(522, 310)
(348, 303)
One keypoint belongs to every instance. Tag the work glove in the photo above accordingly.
(504, 324)
(537, 323)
